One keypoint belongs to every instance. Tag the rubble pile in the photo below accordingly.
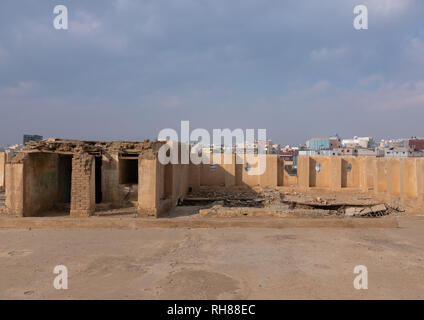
(373, 211)
(227, 198)
(270, 202)
(91, 147)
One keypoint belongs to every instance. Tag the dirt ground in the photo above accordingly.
(236, 263)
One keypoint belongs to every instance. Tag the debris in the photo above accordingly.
(378, 208)
(350, 212)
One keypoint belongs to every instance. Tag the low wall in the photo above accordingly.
(162, 186)
(14, 173)
(32, 184)
(385, 178)
(41, 183)
(37, 182)
(236, 173)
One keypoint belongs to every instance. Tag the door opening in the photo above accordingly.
(98, 182)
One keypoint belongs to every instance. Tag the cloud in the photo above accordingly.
(84, 23)
(3, 55)
(388, 8)
(371, 80)
(415, 49)
(123, 4)
(323, 54)
(398, 97)
(22, 88)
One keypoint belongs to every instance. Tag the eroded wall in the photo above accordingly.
(36, 184)
(2, 170)
(41, 183)
(400, 179)
(240, 172)
(14, 174)
(83, 192)
(162, 186)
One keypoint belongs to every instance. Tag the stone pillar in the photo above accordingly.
(2, 171)
(335, 173)
(270, 177)
(15, 188)
(368, 174)
(230, 171)
(380, 178)
(393, 177)
(148, 187)
(303, 172)
(83, 197)
(408, 178)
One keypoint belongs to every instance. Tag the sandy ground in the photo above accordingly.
(237, 263)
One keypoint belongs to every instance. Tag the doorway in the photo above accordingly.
(65, 178)
(98, 182)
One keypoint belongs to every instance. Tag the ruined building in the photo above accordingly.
(75, 177)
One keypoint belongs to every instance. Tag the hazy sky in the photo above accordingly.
(126, 69)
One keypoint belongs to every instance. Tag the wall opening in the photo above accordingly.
(98, 180)
(128, 171)
(65, 178)
(291, 170)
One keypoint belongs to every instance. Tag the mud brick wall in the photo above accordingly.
(2, 170)
(83, 185)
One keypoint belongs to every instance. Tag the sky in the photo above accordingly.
(126, 69)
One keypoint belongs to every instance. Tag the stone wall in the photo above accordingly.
(14, 173)
(41, 183)
(83, 185)
(162, 186)
(399, 179)
(236, 173)
(32, 184)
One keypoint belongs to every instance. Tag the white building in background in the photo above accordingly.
(402, 153)
(359, 142)
(394, 143)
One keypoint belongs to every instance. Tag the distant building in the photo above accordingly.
(402, 153)
(318, 153)
(394, 143)
(359, 142)
(323, 143)
(29, 137)
(288, 155)
(416, 144)
(361, 152)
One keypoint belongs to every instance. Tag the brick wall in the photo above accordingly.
(83, 185)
